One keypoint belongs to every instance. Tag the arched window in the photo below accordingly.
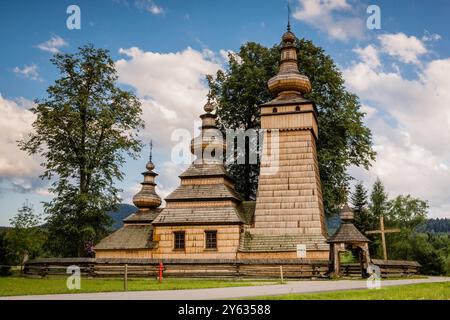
(274, 110)
(297, 108)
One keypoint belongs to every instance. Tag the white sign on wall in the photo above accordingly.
(301, 250)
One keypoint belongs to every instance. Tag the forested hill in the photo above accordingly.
(122, 212)
(436, 226)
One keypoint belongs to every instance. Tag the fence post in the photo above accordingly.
(281, 274)
(125, 278)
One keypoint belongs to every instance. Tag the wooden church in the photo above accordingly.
(205, 218)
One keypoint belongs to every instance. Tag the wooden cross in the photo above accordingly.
(383, 231)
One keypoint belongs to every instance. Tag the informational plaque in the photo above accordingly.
(301, 250)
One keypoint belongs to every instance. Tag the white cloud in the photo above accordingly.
(15, 124)
(410, 120)
(406, 48)
(334, 17)
(171, 86)
(53, 44)
(149, 6)
(172, 89)
(29, 72)
(369, 55)
(431, 36)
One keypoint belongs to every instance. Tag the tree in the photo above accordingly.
(379, 203)
(407, 213)
(26, 238)
(378, 206)
(83, 130)
(343, 138)
(5, 264)
(363, 219)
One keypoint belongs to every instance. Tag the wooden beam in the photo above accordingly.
(383, 232)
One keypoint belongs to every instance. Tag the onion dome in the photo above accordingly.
(346, 214)
(209, 146)
(289, 81)
(147, 198)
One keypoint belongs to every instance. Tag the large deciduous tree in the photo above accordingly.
(343, 138)
(84, 128)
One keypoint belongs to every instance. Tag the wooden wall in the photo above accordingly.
(290, 201)
(227, 242)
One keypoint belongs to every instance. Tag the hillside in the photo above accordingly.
(123, 211)
(436, 226)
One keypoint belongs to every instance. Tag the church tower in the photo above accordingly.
(289, 211)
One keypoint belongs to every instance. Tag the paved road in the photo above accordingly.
(233, 292)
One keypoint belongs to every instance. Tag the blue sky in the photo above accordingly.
(399, 72)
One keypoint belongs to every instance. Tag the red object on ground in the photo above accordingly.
(161, 268)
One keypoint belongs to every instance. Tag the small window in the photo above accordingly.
(179, 242)
(297, 108)
(274, 110)
(211, 239)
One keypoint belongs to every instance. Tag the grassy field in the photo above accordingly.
(16, 285)
(424, 291)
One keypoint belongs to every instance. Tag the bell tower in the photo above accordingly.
(289, 210)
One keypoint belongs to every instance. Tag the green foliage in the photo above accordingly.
(364, 220)
(409, 215)
(343, 138)
(407, 212)
(83, 130)
(4, 259)
(26, 238)
(379, 202)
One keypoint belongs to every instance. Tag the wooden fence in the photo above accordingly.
(292, 268)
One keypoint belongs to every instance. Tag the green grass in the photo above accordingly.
(423, 291)
(16, 285)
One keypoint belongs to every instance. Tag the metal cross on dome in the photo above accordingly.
(151, 148)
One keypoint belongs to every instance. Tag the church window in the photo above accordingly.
(179, 243)
(211, 239)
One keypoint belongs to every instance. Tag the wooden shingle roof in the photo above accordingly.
(143, 216)
(205, 215)
(203, 192)
(205, 170)
(128, 237)
(347, 233)
(285, 242)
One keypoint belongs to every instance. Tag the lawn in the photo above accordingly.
(423, 291)
(16, 285)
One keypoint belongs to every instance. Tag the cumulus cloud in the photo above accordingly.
(369, 55)
(53, 44)
(410, 120)
(172, 89)
(406, 48)
(171, 86)
(29, 72)
(336, 18)
(18, 171)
